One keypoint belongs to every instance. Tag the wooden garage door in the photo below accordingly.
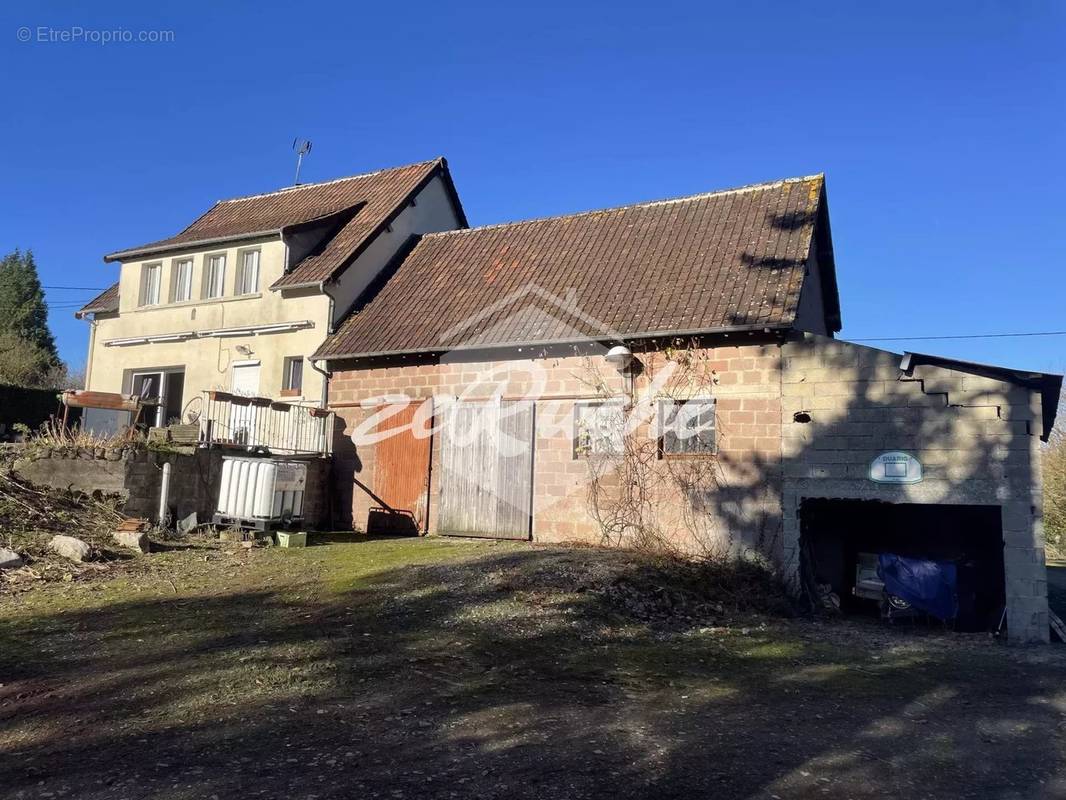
(487, 469)
(401, 477)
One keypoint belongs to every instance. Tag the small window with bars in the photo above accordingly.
(248, 272)
(598, 428)
(292, 379)
(150, 275)
(687, 427)
(214, 276)
(181, 280)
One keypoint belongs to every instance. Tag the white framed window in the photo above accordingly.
(214, 275)
(598, 427)
(248, 272)
(150, 275)
(292, 379)
(687, 427)
(181, 280)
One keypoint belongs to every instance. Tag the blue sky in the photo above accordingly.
(940, 127)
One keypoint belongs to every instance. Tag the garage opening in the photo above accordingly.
(849, 546)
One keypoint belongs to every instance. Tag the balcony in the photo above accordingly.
(262, 424)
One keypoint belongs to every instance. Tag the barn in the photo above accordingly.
(667, 375)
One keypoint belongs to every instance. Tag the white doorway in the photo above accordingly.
(244, 382)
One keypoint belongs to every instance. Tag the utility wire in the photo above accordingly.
(78, 288)
(959, 336)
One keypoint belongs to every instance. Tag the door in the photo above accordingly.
(149, 387)
(245, 383)
(401, 477)
(487, 469)
(165, 389)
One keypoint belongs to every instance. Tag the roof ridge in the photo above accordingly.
(288, 189)
(818, 176)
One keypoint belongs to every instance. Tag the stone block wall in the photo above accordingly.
(135, 474)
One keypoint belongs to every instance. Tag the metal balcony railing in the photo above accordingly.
(259, 423)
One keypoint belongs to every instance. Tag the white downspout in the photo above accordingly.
(164, 497)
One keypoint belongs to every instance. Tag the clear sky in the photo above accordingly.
(940, 127)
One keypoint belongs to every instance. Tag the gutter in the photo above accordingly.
(630, 337)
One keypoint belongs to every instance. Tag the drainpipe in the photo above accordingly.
(326, 375)
(164, 497)
(329, 332)
(92, 346)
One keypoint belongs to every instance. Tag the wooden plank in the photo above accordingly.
(514, 462)
(105, 400)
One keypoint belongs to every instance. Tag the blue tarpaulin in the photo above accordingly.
(927, 585)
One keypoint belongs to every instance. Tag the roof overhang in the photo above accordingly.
(151, 250)
(613, 339)
(1048, 384)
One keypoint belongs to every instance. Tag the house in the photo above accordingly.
(237, 301)
(666, 373)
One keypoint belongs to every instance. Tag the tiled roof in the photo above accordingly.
(373, 197)
(732, 259)
(106, 301)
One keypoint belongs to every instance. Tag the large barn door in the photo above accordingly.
(487, 470)
(401, 477)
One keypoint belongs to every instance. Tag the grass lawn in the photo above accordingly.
(455, 669)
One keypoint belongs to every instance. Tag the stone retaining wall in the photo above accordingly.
(135, 474)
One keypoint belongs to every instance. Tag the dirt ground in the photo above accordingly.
(443, 669)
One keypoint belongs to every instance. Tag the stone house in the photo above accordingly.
(667, 373)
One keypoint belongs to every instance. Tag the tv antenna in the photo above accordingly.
(302, 148)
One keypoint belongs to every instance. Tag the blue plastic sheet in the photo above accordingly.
(929, 586)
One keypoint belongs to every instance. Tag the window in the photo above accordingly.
(598, 428)
(150, 284)
(248, 272)
(215, 276)
(292, 381)
(686, 427)
(181, 280)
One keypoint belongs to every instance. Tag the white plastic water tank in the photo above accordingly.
(259, 489)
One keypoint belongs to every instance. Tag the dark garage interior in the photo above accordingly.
(835, 533)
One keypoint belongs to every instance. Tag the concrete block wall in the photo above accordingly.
(743, 378)
(976, 437)
(135, 475)
(800, 419)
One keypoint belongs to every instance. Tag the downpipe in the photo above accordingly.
(164, 497)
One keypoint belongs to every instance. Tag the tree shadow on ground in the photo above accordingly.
(504, 675)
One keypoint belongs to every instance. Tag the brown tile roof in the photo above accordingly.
(725, 260)
(107, 300)
(374, 197)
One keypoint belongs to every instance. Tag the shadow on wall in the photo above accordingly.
(844, 404)
(432, 681)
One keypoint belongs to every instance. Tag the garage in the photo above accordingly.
(848, 546)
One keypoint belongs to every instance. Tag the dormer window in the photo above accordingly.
(149, 293)
(215, 276)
